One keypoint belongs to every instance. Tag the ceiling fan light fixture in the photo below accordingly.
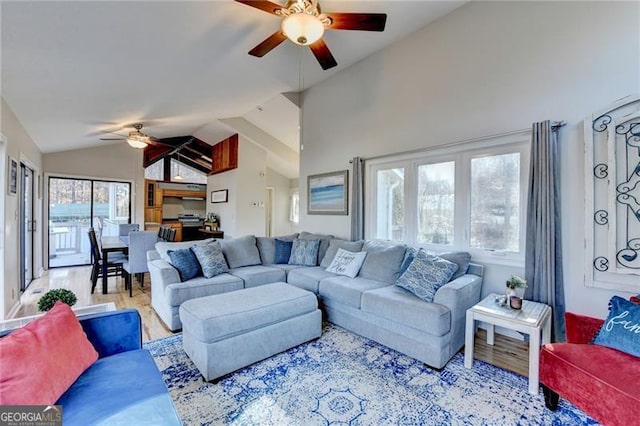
(136, 143)
(302, 28)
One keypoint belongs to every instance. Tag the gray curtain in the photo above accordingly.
(357, 199)
(543, 253)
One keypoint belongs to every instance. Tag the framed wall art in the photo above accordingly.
(220, 196)
(327, 193)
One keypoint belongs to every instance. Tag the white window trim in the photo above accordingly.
(461, 153)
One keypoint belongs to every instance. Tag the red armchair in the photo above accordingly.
(602, 382)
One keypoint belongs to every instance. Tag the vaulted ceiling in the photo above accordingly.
(72, 70)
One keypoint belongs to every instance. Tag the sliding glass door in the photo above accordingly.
(75, 205)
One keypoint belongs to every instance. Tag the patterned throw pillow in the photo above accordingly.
(426, 274)
(211, 259)
(347, 263)
(304, 252)
(185, 262)
(283, 252)
(621, 329)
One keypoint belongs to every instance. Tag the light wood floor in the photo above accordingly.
(507, 353)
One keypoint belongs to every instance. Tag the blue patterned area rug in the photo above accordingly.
(345, 379)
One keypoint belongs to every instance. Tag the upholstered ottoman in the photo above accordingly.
(225, 332)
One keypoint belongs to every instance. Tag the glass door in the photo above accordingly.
(75, 205)
(27, 226)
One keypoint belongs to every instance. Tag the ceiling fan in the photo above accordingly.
(136, 139)
(304, 24)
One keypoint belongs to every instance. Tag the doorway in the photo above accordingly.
(27, 225)
(75, 205)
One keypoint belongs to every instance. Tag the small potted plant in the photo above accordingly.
(513, 283)
(50, 298)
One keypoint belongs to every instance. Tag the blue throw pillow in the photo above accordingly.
(621, 329)
(304, 252)
(185, 262)
(211, 259)
(283, 252)
(426, 274)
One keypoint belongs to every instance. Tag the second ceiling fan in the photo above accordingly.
(304, 24)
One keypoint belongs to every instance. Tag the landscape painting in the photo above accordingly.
(328, 193)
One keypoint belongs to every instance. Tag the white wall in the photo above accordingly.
(243, 214)
(486, 68)
(20, 146)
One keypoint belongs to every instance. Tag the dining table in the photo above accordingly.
(111, 244)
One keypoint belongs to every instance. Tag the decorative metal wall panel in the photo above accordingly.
(612, 177)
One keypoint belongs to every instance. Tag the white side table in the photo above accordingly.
(532, 319)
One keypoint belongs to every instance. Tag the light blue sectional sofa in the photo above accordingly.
(369, 304)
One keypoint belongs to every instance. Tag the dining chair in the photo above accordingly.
(165, 233)
(125, 228)
(140, 242)
(171, 235)
(114, 266)
(161, 232)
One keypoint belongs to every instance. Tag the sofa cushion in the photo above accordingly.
(334, 245)
(576, 372)
(460, 258)
(347, 291)
(304, 252)
(396, 304)
(267, 247)
(39, 361)
(110, 392)
(621, 328)
(177, 293)
(186, 263)
(241, 251)
(426, 274)
(162, 247)
(308, 278)
(347, 263)
(383, 261)
(283, 251)
(324, 243)
(256, 275)
(211, 259)
(286, 267)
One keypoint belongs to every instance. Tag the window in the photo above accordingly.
(294, 211)
(187, 174)
(436, 203)
(390, 204)
(495, 202)
(155, 171)
(465, 197)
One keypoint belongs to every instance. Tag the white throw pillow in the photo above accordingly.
(347, 263)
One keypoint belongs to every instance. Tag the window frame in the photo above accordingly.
(461, 154)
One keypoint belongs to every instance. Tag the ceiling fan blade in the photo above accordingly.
(112, 139)
(357, 21)
(267, 45)
(263, 5)
(323, 54)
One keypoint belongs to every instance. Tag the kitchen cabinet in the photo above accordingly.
(152, 203)
(224, 155)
